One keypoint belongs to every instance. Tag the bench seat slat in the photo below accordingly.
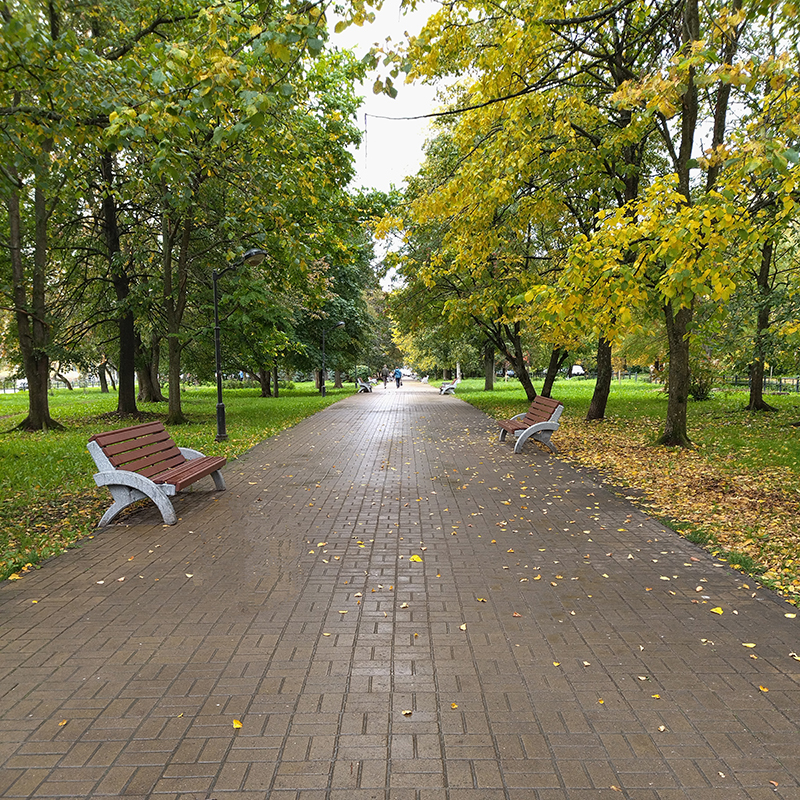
(150, 469)
(162, 441)
(125, 434)
(153, 453)
(190, 471)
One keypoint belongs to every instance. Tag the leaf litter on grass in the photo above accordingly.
(744, 512)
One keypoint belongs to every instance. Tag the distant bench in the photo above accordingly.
(540, 421)
(143, 461)
(364, 387)
(449, 388)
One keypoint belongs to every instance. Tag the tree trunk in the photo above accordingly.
(148, 357)
(757, 402)
(175, 415)
(275, 378)
(175, 293)
(337, 379)
(602, 387)
(32, 329)
(65, 380)
(557, 359)
(675, 426)
(264, 380)
(126, 400)
(517, 359)
(488, 367)
(101, 374)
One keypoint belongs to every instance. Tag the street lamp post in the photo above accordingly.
(322, 376)
(253, 258)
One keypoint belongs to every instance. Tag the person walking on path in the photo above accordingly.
(385, 374)
(398, 376)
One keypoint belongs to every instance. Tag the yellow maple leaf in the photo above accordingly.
(237, 724)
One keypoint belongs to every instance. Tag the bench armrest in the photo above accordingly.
(190, 454)
(548, 425)
(132, 480)
(518, 416)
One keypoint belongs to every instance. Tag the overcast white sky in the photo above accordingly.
(391, 149)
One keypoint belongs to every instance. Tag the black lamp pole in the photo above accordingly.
(253, 258)
(322, 377)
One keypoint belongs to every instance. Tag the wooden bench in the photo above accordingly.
(449, 388)
(364, 386)
(540, 421)
(143, 461)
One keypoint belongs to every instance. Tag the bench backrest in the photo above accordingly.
(543, 409)
(146, 449)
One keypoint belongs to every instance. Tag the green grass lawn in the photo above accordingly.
(49, 499)
(737, 493)
(744, 440)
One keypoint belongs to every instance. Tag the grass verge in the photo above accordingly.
(49, 500)
(735, 493)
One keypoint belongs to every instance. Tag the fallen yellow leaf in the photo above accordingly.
(237, 724)
(415, 558)
(407, 713)
(453, 705)
(763, 689)
(462, 627)
(748, 644)
(716, 610)
(62, 723)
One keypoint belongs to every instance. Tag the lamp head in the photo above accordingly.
(254, 257)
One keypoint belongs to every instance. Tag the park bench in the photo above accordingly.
(540, 421)
(143, 461)
(364, 386)
(449, 388)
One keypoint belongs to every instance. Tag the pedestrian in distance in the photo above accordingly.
(398, 377)
(385, 374)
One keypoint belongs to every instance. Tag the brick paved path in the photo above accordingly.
(589, 666)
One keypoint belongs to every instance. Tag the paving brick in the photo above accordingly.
(150, 674)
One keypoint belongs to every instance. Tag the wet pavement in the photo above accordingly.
(394, 606)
